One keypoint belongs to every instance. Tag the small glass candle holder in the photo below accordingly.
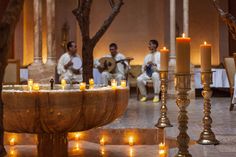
(113, 84)
(82, 86)
(91, 83)
(162, 150)
(63, 83)
(123, 83)
(36, 87)
(30, 84)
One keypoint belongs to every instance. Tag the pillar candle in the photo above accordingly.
(183, 54)
(205, 50)
(164, 59)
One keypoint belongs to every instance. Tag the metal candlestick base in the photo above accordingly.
(183, 85)
(207, 136)
(163, 120)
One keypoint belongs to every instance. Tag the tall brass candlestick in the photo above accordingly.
(207, 136)
(183, 85)
(163, 120)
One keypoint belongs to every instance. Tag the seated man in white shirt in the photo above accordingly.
(70, 65)
(121, 66)
(150, 71)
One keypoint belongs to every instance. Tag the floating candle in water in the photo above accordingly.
(91, 83)
(63, 83)
(123, 83)
(36, 87)
(82, 86)
(113, 84)
(77, 136)
(102, 141)
(12, 141)
(30, 84)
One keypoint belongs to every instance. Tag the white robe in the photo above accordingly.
(120, 70)
(142, 79)
(67, 74)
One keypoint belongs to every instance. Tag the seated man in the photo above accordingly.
(150, 71)
(120, 70)
(70, 65)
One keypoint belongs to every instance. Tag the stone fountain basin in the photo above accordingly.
(61, 111)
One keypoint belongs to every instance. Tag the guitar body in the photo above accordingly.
(108, 63)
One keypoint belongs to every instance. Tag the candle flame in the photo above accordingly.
(131, 140)
(77, 136)
(183, 35)
(102, 141)
(205, 42)
(164, 48)
(12, 141)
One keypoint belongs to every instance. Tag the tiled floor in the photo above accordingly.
(145, 115)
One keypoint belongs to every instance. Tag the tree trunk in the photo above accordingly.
(10, 16)
(87, 55)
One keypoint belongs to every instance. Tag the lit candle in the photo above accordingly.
(161, 146)
(91, 83)
(63, 83)
(123, 83)
(36, 87)
(205, 50)
(113, 84)
(30, 84)
(131, 140)
(164, 59)
(162, 150)
(82, 86)
(77, 136)
(183, 54)
(12, 141)
(102, 141)
(162, 153)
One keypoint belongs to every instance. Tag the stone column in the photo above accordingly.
(186, 31)
(172, 63)
(172, 28)
(37, 32)
(186, 17)
(51, 39)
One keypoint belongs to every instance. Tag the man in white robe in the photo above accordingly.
(150, 72)
(68, 64)
(121, 67)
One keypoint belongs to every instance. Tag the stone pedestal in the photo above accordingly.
(42, 73)
(52, 145)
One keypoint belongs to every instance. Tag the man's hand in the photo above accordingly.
(70, 63)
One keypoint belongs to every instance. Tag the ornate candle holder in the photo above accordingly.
(163, 120)
(207, 136)
(182, 86)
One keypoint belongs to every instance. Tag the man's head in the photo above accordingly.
(113, 49)
(72, 48)
(153, 45)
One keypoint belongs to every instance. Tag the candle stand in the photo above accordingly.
(163, 120)
(183, 85)
(207, 137)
